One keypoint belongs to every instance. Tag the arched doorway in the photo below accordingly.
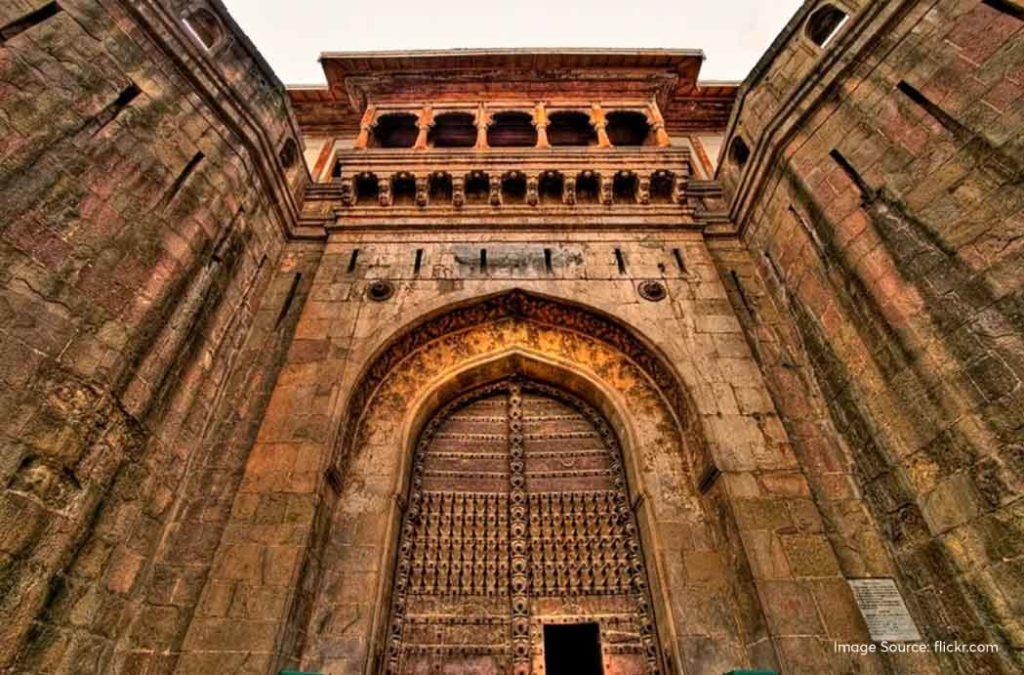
(519, 550)
(705, 618)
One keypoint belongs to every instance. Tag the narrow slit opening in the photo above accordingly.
(27, 21)
(680, 263)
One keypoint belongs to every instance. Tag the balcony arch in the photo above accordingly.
(628, 127)
(824, 23)
(453, 130)
(571, 127)
(513, 187)
(395, 130)
(440, 188)
(588, 188)
(511, 129)
(403, 189)
(662, 184)
(367, 188)
(551, 187)
(478, 188)
(624, 187)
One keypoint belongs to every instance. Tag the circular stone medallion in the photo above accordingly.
(380, 290)
(652, 290)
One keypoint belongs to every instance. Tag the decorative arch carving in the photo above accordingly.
(518, 304)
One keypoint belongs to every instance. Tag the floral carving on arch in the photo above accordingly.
(516, 304)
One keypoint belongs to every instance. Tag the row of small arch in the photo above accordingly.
(511, 129)
(512, 188)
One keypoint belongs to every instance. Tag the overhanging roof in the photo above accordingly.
(356, 79)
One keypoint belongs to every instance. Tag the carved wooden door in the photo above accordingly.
(518, 517)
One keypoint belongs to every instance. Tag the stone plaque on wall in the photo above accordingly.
(884, 611)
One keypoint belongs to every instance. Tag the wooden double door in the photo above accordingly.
(518, 549)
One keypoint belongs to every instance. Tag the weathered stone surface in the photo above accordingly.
(879, 226)
(216, 362)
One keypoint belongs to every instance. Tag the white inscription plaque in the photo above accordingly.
(883, 610)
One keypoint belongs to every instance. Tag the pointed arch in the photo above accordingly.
(430, 362)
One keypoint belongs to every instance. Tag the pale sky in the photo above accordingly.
(291, 34)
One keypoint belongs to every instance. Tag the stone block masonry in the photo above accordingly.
(216, 369)
(144, 261)
(880, 207)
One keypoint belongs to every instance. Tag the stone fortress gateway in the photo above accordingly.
(528, 361)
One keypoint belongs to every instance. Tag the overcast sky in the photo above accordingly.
(292, 33)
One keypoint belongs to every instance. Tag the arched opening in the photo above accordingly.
(823, 24)
(204, 26)
(570, 127)
(453, 130)
(550, 187)
(440, 188)
(662, 183)
(477, 188)
(739, 153)
(588, 188)
(367, 189)
(513, 188)
(511, 130)
(627, 127)
(423, 367)
(496, 509)
(395, 130)
(289, 154)
(624, 187)
(403, 189)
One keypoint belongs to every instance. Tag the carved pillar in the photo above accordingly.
(422, 189)
(569, 190)
(643, 189)
(348, 192)
(532, 189)
(657, 124)
(679, 187)
(365, 126)
(458, 191)
(540, 121)
(679, 190)
(423, 123)
(604, 181)
(483, 120)
(599, 123)
(494, 197)
(384, 191)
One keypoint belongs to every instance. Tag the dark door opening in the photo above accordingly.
(572, 649)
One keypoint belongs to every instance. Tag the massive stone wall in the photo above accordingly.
(851, 353)
(879, 197)
(147, 183)
(303, 576)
